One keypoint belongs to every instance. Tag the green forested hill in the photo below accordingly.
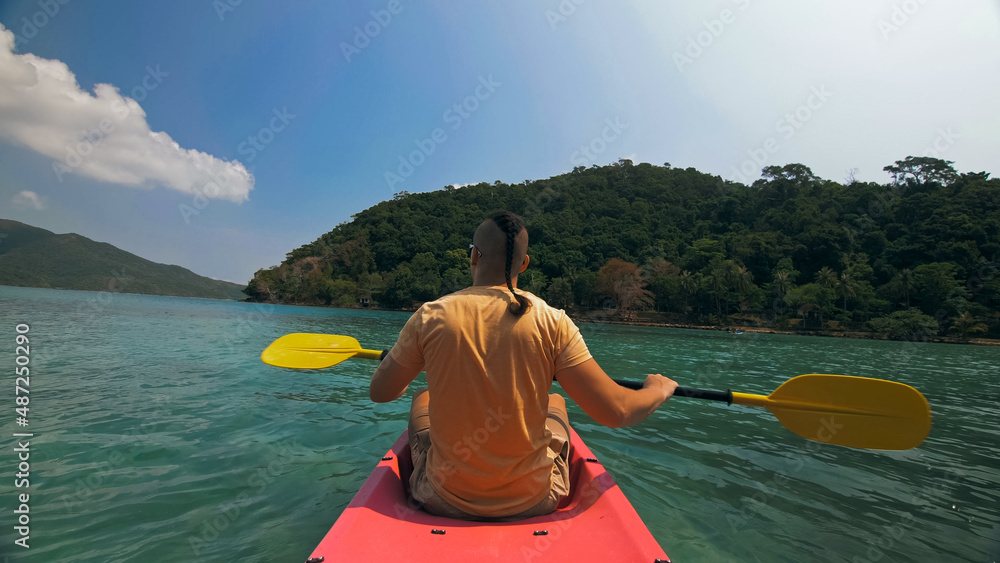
(917, 255)
(34, 257)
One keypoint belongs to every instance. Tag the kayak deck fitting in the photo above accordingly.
(594, 523)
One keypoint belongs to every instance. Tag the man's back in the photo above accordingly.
(489, 374)
(490, 354)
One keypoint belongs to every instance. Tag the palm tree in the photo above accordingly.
(743, 282)
(718, 284)
(781, 285)
(826, 278)
(847, 287)
(905, 283)
(689, 287)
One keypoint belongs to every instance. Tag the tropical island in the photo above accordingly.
(912, 259)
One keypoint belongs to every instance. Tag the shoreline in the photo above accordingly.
(856, 335)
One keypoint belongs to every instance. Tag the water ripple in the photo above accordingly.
(161, 437)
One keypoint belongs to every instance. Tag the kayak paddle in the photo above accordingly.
(314, 351)
(857, 412)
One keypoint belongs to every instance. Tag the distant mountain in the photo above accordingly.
(33, 257)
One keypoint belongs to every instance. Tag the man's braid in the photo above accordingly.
(511, 225)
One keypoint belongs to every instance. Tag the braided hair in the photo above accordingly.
(511, 225)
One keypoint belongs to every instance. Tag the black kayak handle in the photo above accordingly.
(724, 396)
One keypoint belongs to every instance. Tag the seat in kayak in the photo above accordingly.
(594, 523)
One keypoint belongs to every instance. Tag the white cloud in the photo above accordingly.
(103, 136)
(29, 200)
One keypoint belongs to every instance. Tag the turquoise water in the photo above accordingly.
(160, 436)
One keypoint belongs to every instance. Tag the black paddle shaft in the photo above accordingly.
(724, 396)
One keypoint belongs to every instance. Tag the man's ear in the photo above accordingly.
(525, 265)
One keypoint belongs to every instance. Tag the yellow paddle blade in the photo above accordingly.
(310, 351)
(856, 412)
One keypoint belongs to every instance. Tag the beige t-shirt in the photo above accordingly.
(489, 375)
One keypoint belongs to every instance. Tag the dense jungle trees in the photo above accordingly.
(791, 249)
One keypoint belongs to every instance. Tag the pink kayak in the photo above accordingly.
(595, 523)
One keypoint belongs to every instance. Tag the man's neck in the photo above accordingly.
(493, 281)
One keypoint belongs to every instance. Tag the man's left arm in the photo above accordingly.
(390, 380)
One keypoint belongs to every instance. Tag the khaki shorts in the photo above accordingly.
(420, 442)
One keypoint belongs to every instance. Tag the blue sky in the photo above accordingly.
(237, 133)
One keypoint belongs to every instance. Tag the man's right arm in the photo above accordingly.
(609, 403)
(390, 380)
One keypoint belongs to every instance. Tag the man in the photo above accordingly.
(488, 440)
